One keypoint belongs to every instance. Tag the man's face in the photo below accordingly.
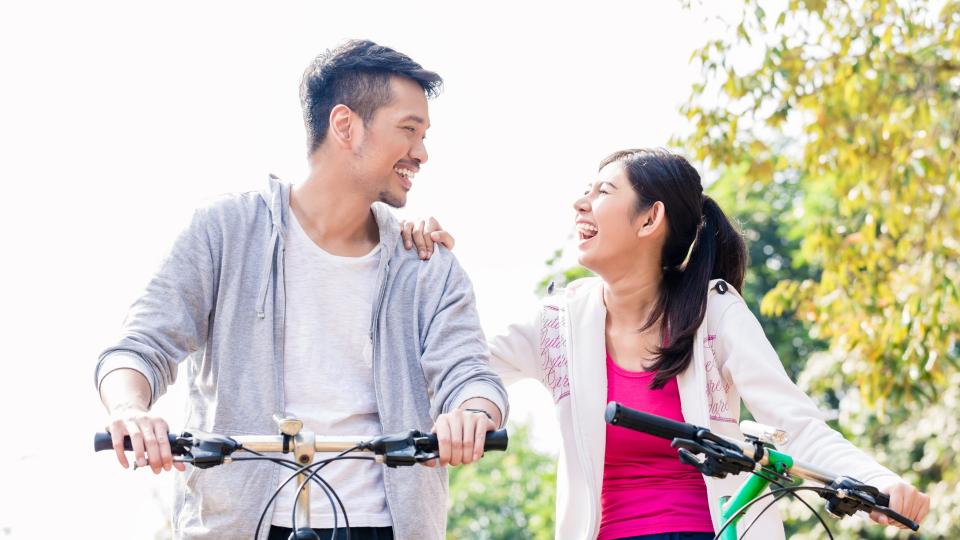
(391, 150)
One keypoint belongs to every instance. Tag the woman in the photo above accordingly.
(663, 329)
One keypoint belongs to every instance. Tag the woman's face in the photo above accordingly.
(612, 234)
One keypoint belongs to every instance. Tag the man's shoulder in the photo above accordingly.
(441, 269)
(229, 210)
(239, 202)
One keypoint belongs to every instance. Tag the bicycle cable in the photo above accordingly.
(328, 490)
(313, 474)
(765, 508)
(742, 511)
(322, 483)
(289, 464)
(784, 493)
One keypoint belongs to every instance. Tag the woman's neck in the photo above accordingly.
(630, 298)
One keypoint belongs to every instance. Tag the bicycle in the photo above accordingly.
(206, 450)
(717, 456)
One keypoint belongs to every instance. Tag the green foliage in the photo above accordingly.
(558, 274)
(852, 114)
(859, 103)
(507, 495)
(762, 213)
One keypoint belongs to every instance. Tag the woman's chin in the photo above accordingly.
(584, 260)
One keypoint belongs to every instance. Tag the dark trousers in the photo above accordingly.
(356, 533)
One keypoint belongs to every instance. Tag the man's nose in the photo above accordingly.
(419, 153)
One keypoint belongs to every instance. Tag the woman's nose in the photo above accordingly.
(582, 204)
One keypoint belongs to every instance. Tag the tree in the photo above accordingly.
(856, 103)
(506, 495)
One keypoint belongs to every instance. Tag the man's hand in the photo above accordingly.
(905, 500)
(148, 436)
(461, 432)
(126, 394)
(423, 235)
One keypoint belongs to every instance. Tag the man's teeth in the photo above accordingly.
(405, 172)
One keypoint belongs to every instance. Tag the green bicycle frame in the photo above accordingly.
(778, 463)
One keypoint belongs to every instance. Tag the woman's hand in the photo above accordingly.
(424, 235)
(906, 500)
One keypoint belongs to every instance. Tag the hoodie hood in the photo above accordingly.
(276, 196)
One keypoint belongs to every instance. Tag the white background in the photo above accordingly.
(117, 119)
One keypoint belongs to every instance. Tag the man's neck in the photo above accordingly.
(336, 217)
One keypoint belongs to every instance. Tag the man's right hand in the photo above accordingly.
(126, 395)
(148, 436)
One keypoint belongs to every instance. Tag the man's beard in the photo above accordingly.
(391, 200)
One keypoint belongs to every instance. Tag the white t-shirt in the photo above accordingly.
(328, 373)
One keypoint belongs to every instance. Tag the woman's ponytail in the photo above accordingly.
(701, 245)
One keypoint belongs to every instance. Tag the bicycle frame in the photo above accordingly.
(773, 463)
(730, 507)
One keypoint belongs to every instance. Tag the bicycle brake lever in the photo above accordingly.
(718, 460)
(850, 496)
(423, 458)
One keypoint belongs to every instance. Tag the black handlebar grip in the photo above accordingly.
(884, 500)
(104, 441)
(495, 441)
(658, 426)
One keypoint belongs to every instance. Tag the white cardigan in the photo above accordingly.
(563, 347)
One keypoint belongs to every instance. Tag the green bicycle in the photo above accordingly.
(717, 456)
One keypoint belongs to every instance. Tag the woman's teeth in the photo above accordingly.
(586, 230)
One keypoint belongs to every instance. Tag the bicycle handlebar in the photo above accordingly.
(495, 441)
(665, 428)
(658, 426)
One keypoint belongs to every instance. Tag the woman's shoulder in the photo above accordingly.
(722, 297)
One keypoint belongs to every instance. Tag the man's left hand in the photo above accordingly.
(461, 435)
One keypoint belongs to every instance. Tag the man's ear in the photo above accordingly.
(341, 125)
(652, 219)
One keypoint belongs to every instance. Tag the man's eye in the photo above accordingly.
(411, 129)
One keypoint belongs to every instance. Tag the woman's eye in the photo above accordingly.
(604, 191)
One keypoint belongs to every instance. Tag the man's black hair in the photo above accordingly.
(356, 74)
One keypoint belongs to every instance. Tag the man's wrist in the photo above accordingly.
(489, 407)
(480, 411)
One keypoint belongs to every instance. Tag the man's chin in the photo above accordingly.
(392, 199)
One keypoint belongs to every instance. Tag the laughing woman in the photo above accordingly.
(663, 329)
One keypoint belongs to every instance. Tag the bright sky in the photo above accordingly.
(118, 118)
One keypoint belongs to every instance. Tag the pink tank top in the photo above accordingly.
(646, 490)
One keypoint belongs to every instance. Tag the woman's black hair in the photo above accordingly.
(701, 245)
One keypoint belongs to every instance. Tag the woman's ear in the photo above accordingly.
(652, 219)
(341, 125)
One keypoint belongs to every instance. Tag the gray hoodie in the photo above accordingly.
(218, 303)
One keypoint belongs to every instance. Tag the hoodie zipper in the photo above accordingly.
(375, 352)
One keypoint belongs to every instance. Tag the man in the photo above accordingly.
(302, 299)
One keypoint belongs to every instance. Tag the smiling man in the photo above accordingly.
(301, 299)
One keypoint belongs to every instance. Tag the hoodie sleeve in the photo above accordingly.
(454, 355)
(169, 321)
(774, 400)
